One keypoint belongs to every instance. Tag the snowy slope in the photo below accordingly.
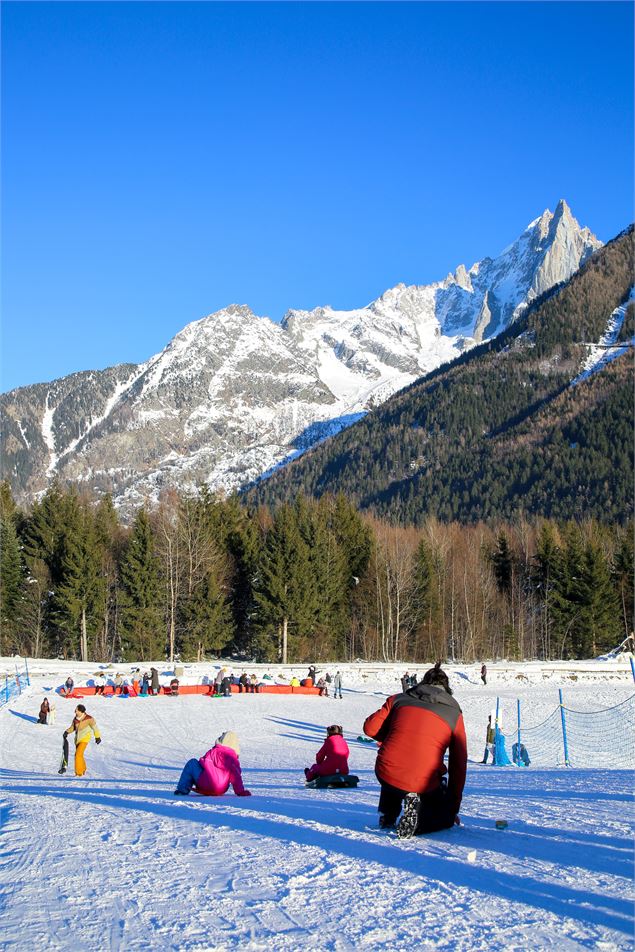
(115, 861)
(234, 395)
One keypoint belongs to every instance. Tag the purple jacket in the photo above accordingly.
(221, 768)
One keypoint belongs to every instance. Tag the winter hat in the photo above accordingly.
(229, 739)
(437, 677)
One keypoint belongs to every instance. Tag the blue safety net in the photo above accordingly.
(604, 738)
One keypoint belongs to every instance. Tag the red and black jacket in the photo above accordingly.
(415, 730)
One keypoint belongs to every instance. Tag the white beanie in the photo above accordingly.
(229, 739)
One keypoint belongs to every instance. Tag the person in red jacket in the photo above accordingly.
(415, 729)
(332, 757)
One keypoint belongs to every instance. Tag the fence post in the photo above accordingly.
(517, 759)
(564, 731)
(632, 666)
(26, 669)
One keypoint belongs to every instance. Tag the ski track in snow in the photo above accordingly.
(607, 349)
(115, 861)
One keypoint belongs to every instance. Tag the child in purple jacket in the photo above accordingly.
(215, 771)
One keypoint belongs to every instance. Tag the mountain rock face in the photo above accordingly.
(537, 421)
(234, 395)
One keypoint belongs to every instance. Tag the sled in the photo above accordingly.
(64, 761)
(366, 740)
(333, 780)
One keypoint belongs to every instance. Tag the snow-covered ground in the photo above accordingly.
(115, 861)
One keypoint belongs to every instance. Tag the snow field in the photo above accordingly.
(115, 861)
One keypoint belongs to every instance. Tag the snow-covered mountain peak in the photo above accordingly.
(234, 394)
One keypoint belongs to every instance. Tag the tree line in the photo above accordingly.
(310, 580)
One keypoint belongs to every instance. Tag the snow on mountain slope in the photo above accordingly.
(234, 395)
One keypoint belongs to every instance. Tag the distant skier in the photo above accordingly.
(337, 685)
(213, 773)
(332, 757)
(484, 674)
(83, 725)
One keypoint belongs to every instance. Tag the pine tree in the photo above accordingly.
(285, 592)
(206, 620)
(80, 593)
(623, 574)
(598, 625)
(12, 584)
(140, 619)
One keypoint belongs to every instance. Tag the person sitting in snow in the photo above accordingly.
(212, 774)
(69, 684)
(323, 687)
(332, 757)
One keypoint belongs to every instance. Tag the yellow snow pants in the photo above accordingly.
(80, 763)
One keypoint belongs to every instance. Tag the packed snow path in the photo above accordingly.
(115, 861)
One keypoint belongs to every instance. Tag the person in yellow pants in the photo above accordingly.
(83, 725)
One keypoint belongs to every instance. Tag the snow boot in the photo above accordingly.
(385, 823)
(410, 816)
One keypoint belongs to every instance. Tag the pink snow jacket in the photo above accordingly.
(332, 757)
(221, 768)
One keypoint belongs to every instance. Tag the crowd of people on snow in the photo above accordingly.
(147, 683)
(414, 731)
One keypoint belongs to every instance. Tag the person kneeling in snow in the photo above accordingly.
(415, 730)
(332, 757)
(215, 771)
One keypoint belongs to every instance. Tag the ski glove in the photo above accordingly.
(98, 740)
(245, 793)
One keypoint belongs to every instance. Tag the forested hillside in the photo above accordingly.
(314, 581)
(500, 431)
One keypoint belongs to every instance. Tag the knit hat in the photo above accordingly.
(229, 739)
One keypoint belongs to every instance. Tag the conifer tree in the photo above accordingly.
(285, 592)
(140, 617)
(80, 592)
(206, 620)
(12, 584)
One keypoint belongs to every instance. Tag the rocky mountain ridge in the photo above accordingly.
(233, 395)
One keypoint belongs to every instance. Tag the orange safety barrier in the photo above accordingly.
(206, 689)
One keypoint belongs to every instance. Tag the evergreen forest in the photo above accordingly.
(311, 580)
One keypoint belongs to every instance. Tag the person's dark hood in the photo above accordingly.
(432, 694)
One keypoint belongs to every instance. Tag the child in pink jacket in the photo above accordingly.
(215, 771)
(332, 757)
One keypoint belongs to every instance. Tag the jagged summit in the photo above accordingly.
(233, 395)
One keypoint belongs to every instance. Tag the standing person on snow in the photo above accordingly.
(337, 685)
(405, 681)
(484, 674)
(311, 673)
(83, 725)
(415, 729)
(154, 681)
(215, 771)
(332, 757)
(45, 709)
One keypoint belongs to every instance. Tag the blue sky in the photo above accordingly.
(163, 160)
